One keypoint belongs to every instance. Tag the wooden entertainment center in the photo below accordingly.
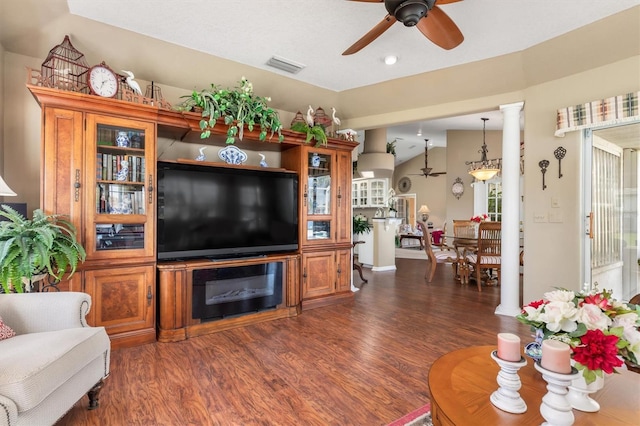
(86, 141)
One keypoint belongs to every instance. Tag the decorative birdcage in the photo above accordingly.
(65, 68)
(321, 118)
(299, 118)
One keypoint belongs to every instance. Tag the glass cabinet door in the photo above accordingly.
(378, 195)
(123, 205)
(318, 195)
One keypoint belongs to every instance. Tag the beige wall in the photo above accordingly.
(430, 191)
(552, 250)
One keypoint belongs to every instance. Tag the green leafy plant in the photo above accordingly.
(316, 132)
(360, 226)
(391, 147)
(29, 247)
(239, 107)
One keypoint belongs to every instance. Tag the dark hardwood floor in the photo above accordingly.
(365, 362)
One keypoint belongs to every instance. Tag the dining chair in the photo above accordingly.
(357, 266)
(487, 254)
(444, 255)
(439, 238)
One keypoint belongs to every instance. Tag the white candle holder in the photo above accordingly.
(507, 398)
(555, 407)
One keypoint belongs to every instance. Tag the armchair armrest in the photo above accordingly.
(38, 312)
(8, 412)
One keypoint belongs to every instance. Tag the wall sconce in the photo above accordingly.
(424, 211)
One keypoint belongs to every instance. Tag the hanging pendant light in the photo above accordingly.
(484, 169)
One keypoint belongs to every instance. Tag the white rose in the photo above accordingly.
(560, 316)
(593, 317)
(560, 296)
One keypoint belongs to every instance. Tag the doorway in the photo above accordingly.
(611, 178)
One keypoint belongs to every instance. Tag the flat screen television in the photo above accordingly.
(219, 212)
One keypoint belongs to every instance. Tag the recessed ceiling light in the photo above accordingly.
(390, 59)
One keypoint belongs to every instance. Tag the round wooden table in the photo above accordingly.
(461, 382)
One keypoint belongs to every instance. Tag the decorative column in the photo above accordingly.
(510, 263)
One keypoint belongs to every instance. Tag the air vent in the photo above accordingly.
(285, 64)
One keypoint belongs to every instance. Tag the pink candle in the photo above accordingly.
(509, 347)
(556, 356)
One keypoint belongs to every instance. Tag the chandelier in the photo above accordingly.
(484, 169)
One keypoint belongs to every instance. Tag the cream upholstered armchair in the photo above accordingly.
(53, 359)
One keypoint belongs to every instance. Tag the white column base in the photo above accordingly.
(507, 311)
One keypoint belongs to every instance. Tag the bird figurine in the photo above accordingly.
(201, 157)
(309, 119)
(132, 83)
(263, 162)
(335, 119)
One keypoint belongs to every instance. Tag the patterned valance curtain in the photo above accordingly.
(603, 112)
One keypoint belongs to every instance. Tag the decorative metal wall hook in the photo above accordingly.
(559, 153)
(543, 168)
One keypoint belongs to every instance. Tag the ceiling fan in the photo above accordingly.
(426, 171)
(432, 22)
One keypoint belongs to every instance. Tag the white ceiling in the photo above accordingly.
(315, 33)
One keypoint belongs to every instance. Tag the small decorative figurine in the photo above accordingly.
(201, 157)
(263, 163)
(132, 83)
(122, 140)
(123, 173)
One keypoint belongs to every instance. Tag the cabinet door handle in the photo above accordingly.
(304, 274)
(77, 186)
(149, 295)
(150, 189)
(305, 195)
(339, 195)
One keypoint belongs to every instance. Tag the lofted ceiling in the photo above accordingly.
(310, 33)
(315, 33)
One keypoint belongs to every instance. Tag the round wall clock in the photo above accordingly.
(404, 184)
(102, 81)
(457, 189)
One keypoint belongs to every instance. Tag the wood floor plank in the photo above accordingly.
(364, 362)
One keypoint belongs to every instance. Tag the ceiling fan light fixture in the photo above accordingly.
(408, 12)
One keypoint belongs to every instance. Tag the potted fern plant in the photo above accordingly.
(46, 244)
(316, 132)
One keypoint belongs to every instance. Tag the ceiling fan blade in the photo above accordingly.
(437, 173)
(438, 2)
(440, 29)
(373, 34)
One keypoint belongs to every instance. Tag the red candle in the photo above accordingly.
(509, 347)
(556, 356)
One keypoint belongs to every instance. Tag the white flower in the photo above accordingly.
(560, 316)
(593, 317)
(560, 296)
(533, 314)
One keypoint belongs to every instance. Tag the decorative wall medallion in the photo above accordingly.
(232, 155)
(457, 189)
(404, 184)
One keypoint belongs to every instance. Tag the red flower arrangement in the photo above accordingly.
(598, 351)
(480, 218)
